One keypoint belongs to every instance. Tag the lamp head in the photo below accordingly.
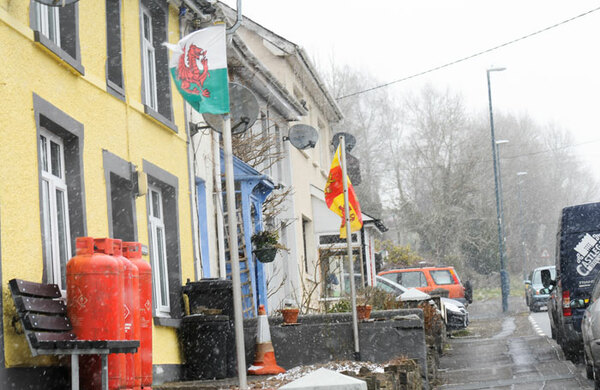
(501, 141)
(499, 69)
(521, 173)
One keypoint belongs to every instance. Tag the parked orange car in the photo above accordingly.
(428, 279)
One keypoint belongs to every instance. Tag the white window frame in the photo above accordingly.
(48, 21)
(50, 218)
(148, 62)
(157, 224)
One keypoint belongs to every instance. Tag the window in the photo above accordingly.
(156, 82)
(120, 196)
(47, 22)
(412, 279)
(163, 239)
(149, 60)
(57, 28)
(159, 253)
(305, 223)
(61, 189)
(55, 209)
(537, 275)
(324, 142)
(114, 59)
(442, 277)
(385, 287)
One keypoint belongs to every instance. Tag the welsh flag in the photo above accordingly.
(334, 196)
(199, 67)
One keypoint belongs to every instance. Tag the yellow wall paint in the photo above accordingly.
(109, 123)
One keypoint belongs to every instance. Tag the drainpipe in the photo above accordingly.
(218, 202)
(238, 22)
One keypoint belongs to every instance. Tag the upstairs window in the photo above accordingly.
(114, 58)
(57, 28)
(156, 82)
(149, 60)
(47, 22)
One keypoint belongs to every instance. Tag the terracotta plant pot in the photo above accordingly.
(363, 312)
(290, 315)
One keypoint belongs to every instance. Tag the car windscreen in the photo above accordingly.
(442, 276)
(382, 285)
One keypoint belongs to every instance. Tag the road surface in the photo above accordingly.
(510, 350)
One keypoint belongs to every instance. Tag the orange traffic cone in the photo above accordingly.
(264, 360)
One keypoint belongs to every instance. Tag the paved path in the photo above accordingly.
(505, 351)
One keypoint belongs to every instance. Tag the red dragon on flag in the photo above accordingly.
(192, 81)
(198, 66)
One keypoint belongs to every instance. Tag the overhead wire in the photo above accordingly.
(448, 64)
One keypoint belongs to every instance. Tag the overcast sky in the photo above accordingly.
(554, 76)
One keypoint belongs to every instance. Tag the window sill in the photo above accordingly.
(115, 90)
(167, 322)
(160, 118)
(59, 52)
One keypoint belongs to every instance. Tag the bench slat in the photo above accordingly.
(40, 305)
(43, 322)
(23, 287)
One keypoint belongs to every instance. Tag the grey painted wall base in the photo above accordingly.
(162, 373)
(35, 378)
(325, 338)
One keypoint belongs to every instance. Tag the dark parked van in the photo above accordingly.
(577, 260)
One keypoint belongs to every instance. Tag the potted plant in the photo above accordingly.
(266, 244)
(363, 310)
(363, 307)
(290, 313)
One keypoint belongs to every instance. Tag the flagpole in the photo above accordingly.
(233, 253)
(349, 243)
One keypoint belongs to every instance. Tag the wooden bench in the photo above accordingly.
(48, 329)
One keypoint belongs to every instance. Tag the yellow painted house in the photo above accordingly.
(93, 142)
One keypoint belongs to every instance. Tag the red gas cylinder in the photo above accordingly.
(131, 308)
(133, 251)
(94, 302)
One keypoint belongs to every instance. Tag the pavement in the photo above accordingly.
(504, 351)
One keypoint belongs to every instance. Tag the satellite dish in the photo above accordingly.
(243, 110)
(353, 169)
(303, 136)
(56, 3)
(349, 138)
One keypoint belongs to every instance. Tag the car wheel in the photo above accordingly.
(589, 368)
(533, 308)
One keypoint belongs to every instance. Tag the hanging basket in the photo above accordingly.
(265, 255)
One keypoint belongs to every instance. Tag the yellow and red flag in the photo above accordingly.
(334, 196)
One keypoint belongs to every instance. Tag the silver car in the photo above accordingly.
(454, 312)
(590, 329)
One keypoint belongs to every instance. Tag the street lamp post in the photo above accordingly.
(503, 273)
(521, 234)
(500, 191)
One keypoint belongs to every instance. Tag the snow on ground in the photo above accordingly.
(292, 374)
